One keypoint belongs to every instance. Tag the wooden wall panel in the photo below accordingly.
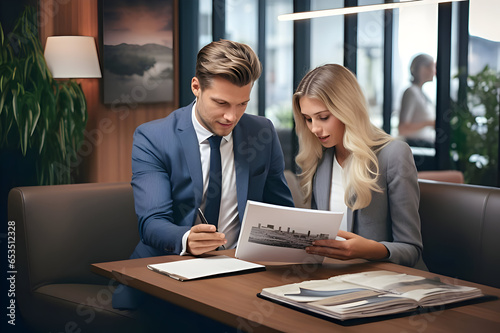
(106, 152)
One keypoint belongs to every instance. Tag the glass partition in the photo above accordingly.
(415, 33)
(241, 26)
(204, 23)
(279, 64)
(327, 35)
(370, 59)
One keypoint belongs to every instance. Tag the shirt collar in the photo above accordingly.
(201, 132)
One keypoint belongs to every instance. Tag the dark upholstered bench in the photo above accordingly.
(461, 230)
(60, 231)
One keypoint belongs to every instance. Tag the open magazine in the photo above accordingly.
(368, 294)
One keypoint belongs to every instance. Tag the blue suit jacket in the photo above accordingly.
(167, 177)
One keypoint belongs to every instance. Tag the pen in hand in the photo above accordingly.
(204, 221)
(202, 217)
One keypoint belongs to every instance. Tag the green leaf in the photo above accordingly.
(2, 101)
(9, 126)
(70, 104)
(37, 116)
(20, 88)
(62, 138)
(42, 65)
(24, 139)
(26, 67)
(42, 140)
(83, 104)
(14, 104)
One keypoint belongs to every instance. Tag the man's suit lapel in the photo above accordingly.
(241, 165)
(190, 147)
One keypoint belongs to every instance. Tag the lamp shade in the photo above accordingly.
(72, 57)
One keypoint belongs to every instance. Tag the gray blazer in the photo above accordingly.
(392, 216)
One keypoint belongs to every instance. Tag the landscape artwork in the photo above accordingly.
(283, 237)
(138, 55)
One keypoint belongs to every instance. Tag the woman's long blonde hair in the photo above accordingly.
(337, 88)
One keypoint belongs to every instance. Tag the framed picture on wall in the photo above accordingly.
(138, 51)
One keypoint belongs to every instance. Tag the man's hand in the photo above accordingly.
(204, 238)
(354, 246)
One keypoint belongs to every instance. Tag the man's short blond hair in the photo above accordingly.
(232, 61)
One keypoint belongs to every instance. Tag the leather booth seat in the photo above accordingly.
(461, 230)
(61, 230)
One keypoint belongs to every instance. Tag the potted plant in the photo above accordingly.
(475, 129)
(38, 113)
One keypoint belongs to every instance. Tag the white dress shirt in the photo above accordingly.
(229, 222)
(337, 203)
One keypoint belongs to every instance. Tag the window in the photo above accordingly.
(204, 23)
(370, 60)
(241, 26)
(484, 28)
(327, 35)
(415, 32)
(477, 156)
(279, 64)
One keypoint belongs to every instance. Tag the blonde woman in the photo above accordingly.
(351, 166)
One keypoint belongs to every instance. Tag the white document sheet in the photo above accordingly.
(281, 234)
(190, 269)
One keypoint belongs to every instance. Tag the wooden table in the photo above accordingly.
(232, 299)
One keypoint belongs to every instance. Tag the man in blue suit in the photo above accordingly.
(171, 161)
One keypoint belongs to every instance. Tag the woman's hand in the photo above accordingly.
(353, 247)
